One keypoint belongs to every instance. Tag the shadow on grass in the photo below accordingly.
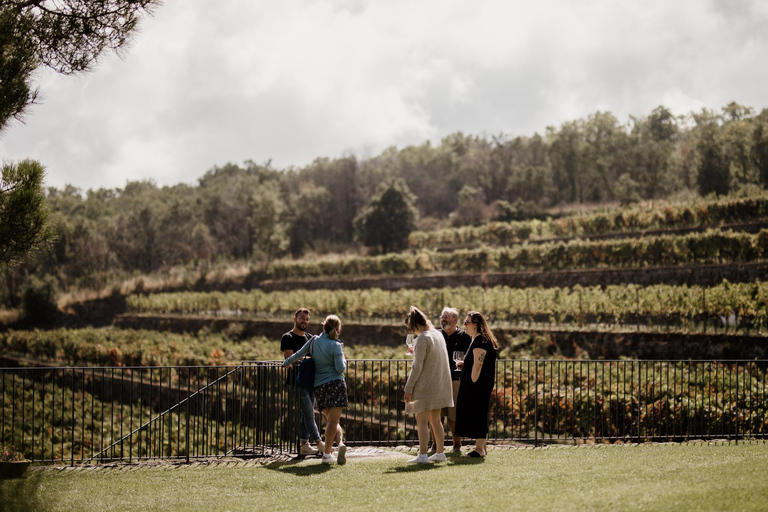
(24, 493)
(464, 461)
(452, 461)
(291, 467)
(412, 468)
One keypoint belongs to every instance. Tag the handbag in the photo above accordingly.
(305, 377)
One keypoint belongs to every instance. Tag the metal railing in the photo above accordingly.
(93, 415)
(96, 415)
(572, 400)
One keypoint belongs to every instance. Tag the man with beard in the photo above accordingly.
(291, 342)
(455, 340)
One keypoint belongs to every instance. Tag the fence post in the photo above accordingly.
(536, 405)
(737, 403)
(189, 384)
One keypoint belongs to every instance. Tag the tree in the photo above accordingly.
(24, 225)
(759, 151)
(472, 209)
(268, 222)
(67, 36)
(626, 190)
(736, 136)
(308, 217)
(714, 172)
(17, 62)
(605, 146)
(388, 219)
(566, 155)
(654, 138)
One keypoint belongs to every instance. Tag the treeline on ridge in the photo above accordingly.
(257, 213)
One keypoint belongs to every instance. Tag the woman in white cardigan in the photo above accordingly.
(428, 388)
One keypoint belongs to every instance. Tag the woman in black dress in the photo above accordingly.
(478, 372)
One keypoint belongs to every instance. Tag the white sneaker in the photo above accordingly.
(328, 459)
(341, 457)
(320, 445)
(438, 457)
(421, 459)
(306, 449)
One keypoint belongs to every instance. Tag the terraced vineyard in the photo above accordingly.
(618, 305)
(140, 347)
(695, 248)
(737, 212)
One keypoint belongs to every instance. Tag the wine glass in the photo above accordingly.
(458, 356)
(409, 341)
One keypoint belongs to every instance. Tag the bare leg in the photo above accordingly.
(332, 415)
(456, 439)
(339, 432)
(436, 422)
(339, 435)
(432, 431)
(480, 446)
(422, 423)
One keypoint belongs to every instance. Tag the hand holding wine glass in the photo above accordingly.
(410, 342)
(458, 358)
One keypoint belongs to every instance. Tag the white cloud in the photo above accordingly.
(206, 83)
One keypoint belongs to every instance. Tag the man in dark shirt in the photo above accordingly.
(291, 342)
(455, 340)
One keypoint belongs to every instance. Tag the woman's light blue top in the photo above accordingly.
(329, 359)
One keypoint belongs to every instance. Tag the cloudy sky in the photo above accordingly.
(206, 83)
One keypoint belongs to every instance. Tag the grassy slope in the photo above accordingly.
(647, 477)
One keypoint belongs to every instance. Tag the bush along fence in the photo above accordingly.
(96, 415)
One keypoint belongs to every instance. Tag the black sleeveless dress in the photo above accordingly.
(474, 397)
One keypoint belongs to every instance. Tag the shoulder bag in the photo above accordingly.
(305, 377)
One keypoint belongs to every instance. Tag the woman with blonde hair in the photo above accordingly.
(478, 371)
(428, 388)
(330, 386)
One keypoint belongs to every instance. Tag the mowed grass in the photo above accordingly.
(694, 476)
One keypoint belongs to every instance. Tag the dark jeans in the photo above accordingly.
(308, 425)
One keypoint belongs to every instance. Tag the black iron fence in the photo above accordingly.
(91, 415)
(81, 415)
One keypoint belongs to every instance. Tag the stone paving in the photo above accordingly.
(358, 452)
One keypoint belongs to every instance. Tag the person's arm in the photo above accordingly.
(297, 355)
(338, 359)
(479, 354)
(419, 353)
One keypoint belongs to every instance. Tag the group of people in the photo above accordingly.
(437, 386)
(461, 390)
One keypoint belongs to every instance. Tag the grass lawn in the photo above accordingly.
(695, 476)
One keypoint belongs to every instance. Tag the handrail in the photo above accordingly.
(163, 414)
